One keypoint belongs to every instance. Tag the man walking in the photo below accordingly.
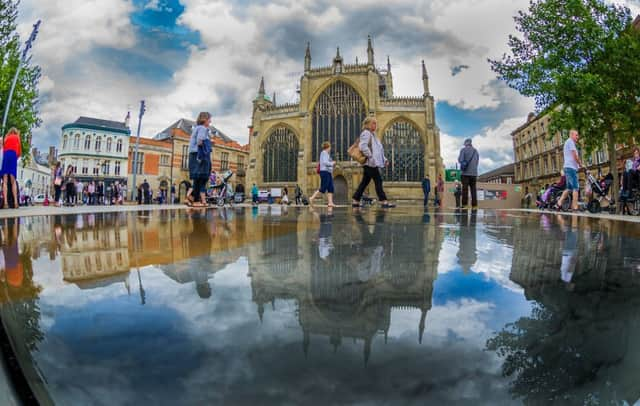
(571, 165)
(468, 160)
(426, 189)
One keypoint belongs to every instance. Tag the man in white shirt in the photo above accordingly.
(571, 165)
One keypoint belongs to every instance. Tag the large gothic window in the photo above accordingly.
(404, 149)
(281, 156)
(337, 118)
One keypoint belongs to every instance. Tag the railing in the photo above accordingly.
(403, 101)
(283, 108)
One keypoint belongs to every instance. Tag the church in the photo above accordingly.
(285, 140)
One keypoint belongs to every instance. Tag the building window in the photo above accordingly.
(87, 143)
(185, 157)
(117, 168)
(337, 118)
(96, 168)
(280, 156)
(76, 142)
(164, 160)
(109, 142)
(85, 166)
(139, 162)
(119, 146)
(224, 161)
(98, 143)
(405, 151)
(106, 167)
(240, 163)
(65, 140)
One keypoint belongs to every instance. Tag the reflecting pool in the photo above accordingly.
(295, 306)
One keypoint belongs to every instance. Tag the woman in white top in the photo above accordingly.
(326, 175)
(372, 148)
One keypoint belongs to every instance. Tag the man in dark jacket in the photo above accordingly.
(426, 189)
(468, 160)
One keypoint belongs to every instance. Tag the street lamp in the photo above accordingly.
(134, 188)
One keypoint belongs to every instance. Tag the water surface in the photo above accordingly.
(291, 306)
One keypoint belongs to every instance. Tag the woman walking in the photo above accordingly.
(372, 148)
(70, 185)
(200, 160)
(326, 175)
(11, 152)
(57, 184)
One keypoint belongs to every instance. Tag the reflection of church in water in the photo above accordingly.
(347, 280)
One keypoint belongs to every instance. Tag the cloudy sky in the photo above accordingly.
(101, 57)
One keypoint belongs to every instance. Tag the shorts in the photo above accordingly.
(572, 179)
(326, 182)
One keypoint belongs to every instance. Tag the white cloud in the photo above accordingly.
(494, 145)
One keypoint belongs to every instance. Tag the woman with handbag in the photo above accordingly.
(57, 184)
(373, 150)
(200, 159)
(325, 170)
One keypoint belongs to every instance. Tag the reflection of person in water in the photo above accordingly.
(14, 272)
(569, 251)
(369, 263)
(199, 243)
(325, 243)
(467, 254)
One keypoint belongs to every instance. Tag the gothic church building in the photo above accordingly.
(285, 140)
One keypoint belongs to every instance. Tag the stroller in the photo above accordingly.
(223, 193)
(600, 192)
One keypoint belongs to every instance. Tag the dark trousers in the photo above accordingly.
(370, 173)
(71, 193)
(457, 196)
(58, 192)
(426, 199)
(469, 182)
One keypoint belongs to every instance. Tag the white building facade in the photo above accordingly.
(34, 178)
(97, 149)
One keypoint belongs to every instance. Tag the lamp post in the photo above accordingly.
(134, 188)
(23, 59)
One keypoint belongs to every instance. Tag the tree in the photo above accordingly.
(23, 113)
(580, 60)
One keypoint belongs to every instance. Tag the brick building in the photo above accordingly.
(153, 164)
(227, 154)
(504, 174)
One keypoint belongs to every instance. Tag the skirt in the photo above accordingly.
(9, 163)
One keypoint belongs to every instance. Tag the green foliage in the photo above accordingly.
(23, 113)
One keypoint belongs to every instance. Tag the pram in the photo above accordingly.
(600, 192)
(223, 193)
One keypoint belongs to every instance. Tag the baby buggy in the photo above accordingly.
(222, 193)
(600, 192)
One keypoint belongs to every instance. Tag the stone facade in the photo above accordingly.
(371, 91)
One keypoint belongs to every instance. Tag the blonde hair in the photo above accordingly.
(14, 130)
(326, 145)
(203, 117)
(366, 124)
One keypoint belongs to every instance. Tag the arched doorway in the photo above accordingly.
(341, 195)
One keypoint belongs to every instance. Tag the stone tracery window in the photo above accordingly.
(404, 149)
(337, 118)
(280, 156)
